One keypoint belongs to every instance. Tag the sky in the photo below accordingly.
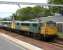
(7, 10)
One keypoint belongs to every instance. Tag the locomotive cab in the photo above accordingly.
(49, 30)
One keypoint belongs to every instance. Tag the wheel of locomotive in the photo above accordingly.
(49, 31)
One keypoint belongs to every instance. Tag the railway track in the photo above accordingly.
(57, 43)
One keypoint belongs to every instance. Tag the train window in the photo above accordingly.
(34, 25)
(51, 23)
(17, 23)
(25, 24)
(7, 23)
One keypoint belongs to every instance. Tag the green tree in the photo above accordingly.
(56, 9)
(25, 13)
(30, 13)
(36, 11)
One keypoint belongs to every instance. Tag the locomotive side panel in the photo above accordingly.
(25, 27)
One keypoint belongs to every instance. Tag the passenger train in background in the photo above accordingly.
(43, 31)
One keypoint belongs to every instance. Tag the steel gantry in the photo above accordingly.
(29, 3)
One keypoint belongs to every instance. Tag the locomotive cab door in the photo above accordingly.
(13, 25)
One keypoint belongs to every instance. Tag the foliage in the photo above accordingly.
(30, 13)
(56, 9)
(24, 13)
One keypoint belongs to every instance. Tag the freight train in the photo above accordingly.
(43, 31)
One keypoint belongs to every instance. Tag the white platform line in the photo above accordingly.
(22, 43)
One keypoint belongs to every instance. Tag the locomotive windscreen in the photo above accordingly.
(51, 23)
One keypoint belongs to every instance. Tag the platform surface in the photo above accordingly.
(8, 45)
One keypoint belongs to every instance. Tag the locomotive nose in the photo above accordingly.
(49, 30)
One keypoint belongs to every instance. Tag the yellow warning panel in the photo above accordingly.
(49, 30)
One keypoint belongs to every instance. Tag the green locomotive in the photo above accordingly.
(43, 31)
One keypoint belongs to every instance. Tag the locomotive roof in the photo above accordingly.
(26, 22)
(22, 21)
